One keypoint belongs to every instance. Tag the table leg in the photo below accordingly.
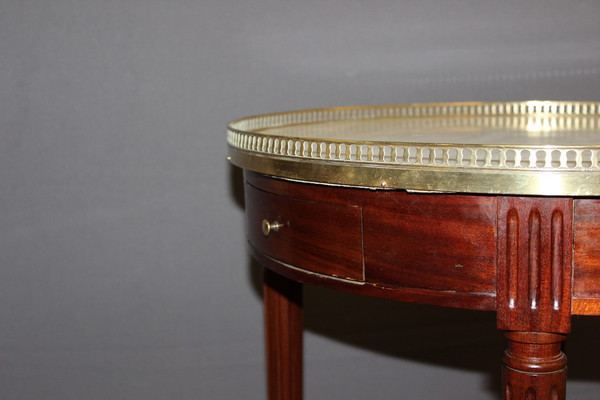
(283, 331)
(535, 368)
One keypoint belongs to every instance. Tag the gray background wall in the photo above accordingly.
(123, 269)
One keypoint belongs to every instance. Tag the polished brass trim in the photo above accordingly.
(528, 169)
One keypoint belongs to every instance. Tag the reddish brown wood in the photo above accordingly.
(431, 241)
(283, 332)
(535, 368)
(586, 255)
(534, 294)
(534, 264)
(474, 301)
(470, 285)
(528, 258)
(318, 236)
(307, 191)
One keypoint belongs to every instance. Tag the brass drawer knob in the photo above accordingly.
(268, 227)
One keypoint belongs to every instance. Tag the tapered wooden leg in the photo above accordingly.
(283, 329)
(535, 368)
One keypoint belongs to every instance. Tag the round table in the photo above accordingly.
(487, 206)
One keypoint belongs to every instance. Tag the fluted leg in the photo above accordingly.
(535, 368)
(534, 291)
(283, 328)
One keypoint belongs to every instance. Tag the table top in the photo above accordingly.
(546, 148)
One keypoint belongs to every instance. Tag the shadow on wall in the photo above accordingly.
(236, 184)
(445, 337)
(453, 338)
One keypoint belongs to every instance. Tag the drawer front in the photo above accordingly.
(429, 241)
(586, 254)
(319, 237)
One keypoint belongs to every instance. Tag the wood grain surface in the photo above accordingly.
(534, 260)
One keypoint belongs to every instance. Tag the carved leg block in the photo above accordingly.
(535, 368)
(283, 331)
(534, 294)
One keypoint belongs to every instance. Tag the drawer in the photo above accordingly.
(325, 238)
(430, 241)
